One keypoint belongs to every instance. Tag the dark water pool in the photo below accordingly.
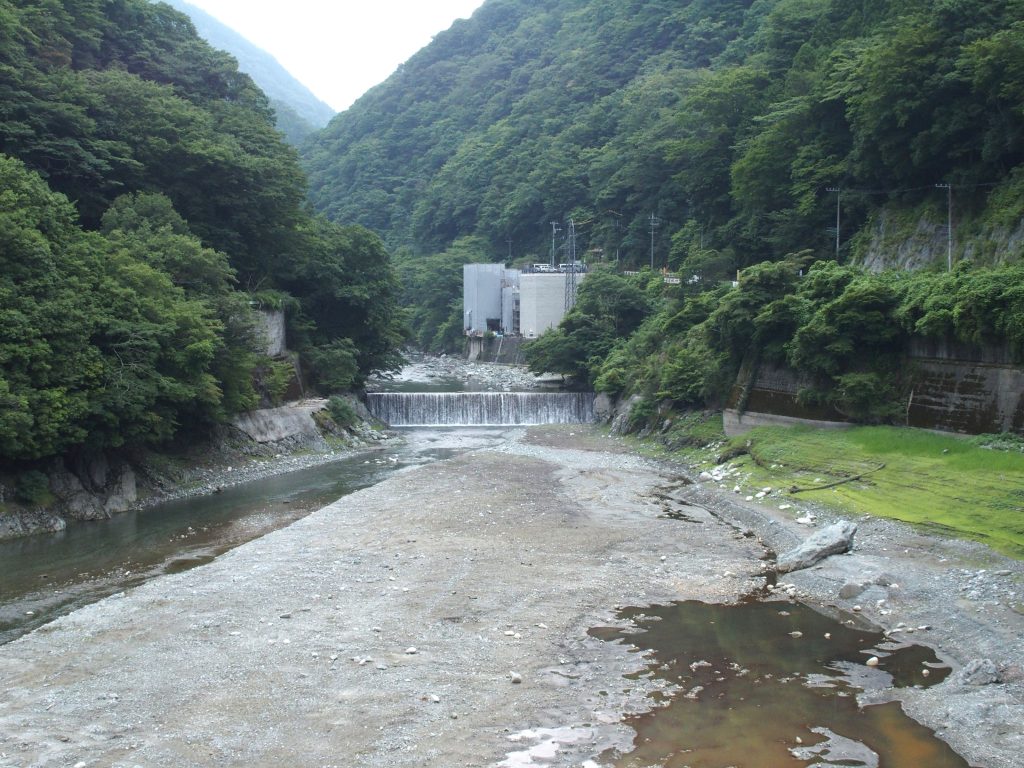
(774, 685)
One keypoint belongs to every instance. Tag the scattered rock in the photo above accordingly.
(978, 672)
(872, 662)
(835, 539)
(515, 677)
(850, 590)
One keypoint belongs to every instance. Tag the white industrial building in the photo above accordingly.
(511, 302)
(541, 302)
(489, 293)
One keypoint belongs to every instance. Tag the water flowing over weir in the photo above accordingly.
(463, 409)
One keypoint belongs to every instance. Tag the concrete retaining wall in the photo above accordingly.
(271, 330)
(969, 396)
(952, 388)
(506, 349)
(291, 425)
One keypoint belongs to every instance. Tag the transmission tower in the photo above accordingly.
(570, 275)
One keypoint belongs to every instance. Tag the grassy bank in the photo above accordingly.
(945, 483)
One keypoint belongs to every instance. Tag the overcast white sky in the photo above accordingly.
(339, 49)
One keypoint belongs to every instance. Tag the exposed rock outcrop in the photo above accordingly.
(92, 487)
(30, 522)
(96, 486)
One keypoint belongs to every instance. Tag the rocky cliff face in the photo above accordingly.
(915, 240)
(93, 487)
(98, 486)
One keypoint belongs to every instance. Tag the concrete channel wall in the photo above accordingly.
(952, 388)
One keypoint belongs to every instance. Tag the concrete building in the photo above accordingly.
(510, 305)
(489, 294)
(511, 302)
(541, 302)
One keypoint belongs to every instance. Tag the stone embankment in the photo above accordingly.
(256, 444)
(441, 618)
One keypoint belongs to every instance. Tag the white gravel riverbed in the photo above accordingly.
(440, 619)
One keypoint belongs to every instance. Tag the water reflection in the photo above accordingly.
(773, 685)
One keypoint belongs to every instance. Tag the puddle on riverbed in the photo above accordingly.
(753, 693)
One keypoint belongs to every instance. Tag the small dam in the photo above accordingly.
(468, 409)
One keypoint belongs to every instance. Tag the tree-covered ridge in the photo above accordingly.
(147, 205)
(730, 121)
(103, 98)
(299, 112)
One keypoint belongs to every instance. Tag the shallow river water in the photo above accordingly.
(42, 577)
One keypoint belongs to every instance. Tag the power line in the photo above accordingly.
(900, 190)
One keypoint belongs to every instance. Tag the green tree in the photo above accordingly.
(347, 290)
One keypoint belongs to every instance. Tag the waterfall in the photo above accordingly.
(461, 409)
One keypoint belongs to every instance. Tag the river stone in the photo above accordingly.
(835, 539)
(979, 672)
(850, 590)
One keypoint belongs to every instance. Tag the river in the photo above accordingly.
(42, 577)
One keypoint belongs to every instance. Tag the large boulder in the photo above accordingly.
(834, 540)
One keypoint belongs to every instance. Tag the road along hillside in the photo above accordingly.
(437, 619)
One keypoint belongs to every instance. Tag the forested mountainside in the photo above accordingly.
(729, 120)
(745, 128)
(147, 205)
(298, 111)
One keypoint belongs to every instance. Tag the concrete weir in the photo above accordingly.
(462, 409)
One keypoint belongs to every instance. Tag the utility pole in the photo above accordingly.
(655, 221)
(555, 229)
(509, 241)
(570, 276)
(839, 194)
(949, 224)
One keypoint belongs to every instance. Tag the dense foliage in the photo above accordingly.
(432, 289)
(146, 205)
(844, 328)
(727, 119)
(713, 137)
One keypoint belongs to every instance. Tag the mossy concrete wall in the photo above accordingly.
(957, 388)
(952, 388)
(500, 349)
